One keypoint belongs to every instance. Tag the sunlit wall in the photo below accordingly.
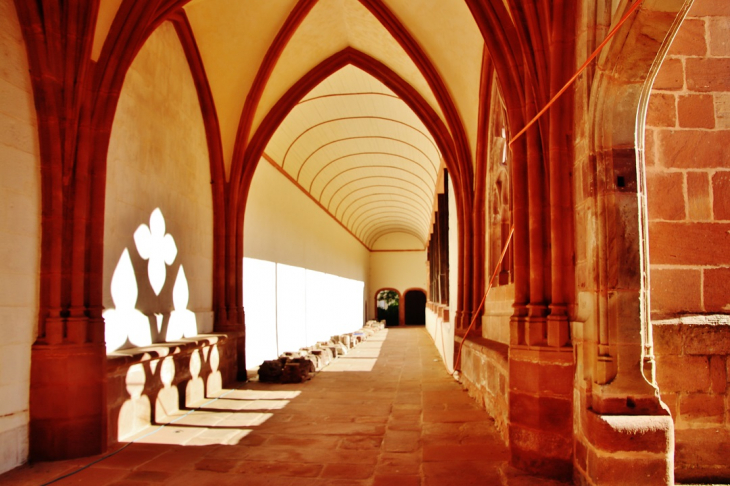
(20, 218)
(291, 307)
(158, 224)
(305, 278)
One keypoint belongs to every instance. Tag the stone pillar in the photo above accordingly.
(540, 403)
(68, 391)
(624, 434)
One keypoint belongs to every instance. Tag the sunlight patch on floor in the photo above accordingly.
(217, 420)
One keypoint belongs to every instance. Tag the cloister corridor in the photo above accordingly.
(385, 414)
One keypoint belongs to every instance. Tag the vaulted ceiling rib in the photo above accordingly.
(362, 153)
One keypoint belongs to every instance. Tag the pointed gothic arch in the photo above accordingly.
(245, 165)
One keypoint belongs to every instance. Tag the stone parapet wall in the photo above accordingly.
(692, 361)
(485, 375)
(147, 385)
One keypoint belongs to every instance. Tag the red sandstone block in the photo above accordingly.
(698, 194)
(98, 476)
(672, 401)
(717, 290)
(708, 74)
(146, 477)
(693, 149)
(218, 479)
(696, 111)
(460, 473)
(360, 443)
(216, 465)
(701, 408)
(670, 76)
(399, 464)
(548, 414)
(540, 452)
(718, 374)
(719, 40)
(675, 291)
(683, 373)
(704, 8)
(640, 433)
(451, 452)
(581, 454)
(679, 243)
(459, 416)
(667, 338)
(284, 469)
(173, 460)
(649, 147)
(665, 195)
(706, 340)
(721, 195)
(662, 111)
(690, 40)
(632, 470)
(702, 446)
(348, 471)
(397, 481)
(531, 377)
(401, 440)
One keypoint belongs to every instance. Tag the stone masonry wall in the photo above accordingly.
(20, 217)
(485, 376)
(688, 179)
(688, 168)
(692, 373)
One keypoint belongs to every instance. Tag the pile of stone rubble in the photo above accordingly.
(299, 366)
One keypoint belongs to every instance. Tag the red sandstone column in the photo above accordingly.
(67, 393)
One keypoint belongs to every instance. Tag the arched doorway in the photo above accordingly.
(414, 301)
(387, 307)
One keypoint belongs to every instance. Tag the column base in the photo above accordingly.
(67, 401)
(625, 450)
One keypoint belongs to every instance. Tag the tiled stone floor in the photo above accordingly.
(386, 414)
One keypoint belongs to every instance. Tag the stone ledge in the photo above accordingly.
(630, 433)
(695, 320)
(692, 335)
(482, 344)
(129, 356)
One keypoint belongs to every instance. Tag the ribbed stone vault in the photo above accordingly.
(361, 152)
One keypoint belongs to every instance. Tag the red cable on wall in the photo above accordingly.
(457, 363)
(595, 53)
(580, 71)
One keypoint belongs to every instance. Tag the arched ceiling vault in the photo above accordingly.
(352, 143)
(361, 152)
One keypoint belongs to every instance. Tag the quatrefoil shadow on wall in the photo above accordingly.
(125, 325)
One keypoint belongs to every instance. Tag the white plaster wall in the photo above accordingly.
(283, 225)
(158, 158)
(400, 270)
(20, 216)
(293, 243)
